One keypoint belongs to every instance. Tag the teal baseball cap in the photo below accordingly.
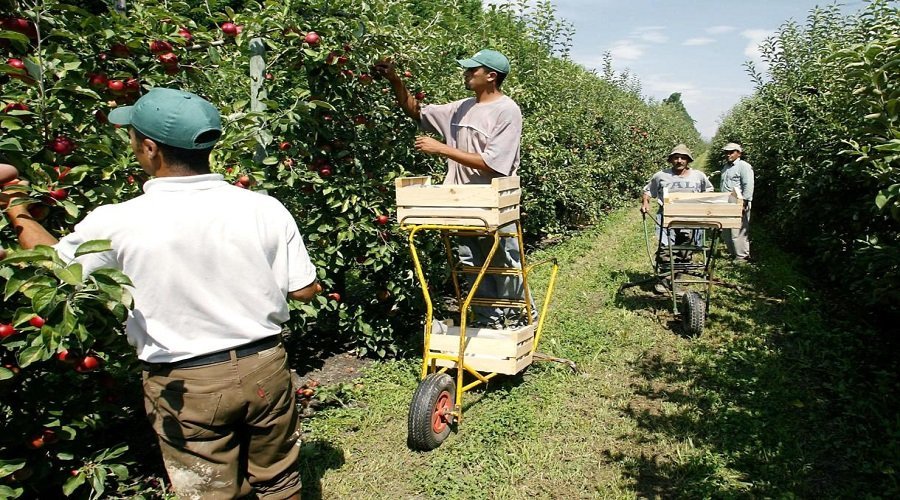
(173, 117)
(487, 57)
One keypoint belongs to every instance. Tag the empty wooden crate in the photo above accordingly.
(486, 350)
(493, 205)
(703, 208)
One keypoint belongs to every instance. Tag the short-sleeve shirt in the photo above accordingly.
(211, 264)
(492, 129)
(694, 182)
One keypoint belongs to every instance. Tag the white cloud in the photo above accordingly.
(626, 50)
(720, 30)
(698, 41)
(754, 38)
(650, 34)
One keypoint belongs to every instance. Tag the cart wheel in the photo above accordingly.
(429, 418)
(694, 315)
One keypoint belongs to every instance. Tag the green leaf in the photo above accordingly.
(71, 274)
(73, 483)
(31, 354)
(114, 275)
(7, 467)
(44, 300)
(321, 104)
(120, 471)
(12, 286)
(93, 246)
(881, 200)
(98, 481)
(6, 373)
(8, 492)
(40, 253)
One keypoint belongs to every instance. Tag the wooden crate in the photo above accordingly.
(703, 208)
(420, 202)
(487, 350)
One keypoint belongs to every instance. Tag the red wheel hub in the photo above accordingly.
(441, 415)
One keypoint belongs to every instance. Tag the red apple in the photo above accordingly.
(35, 442)
(15, 106)
(407, 74)
(160, 46)
(61, 172)
(168, 59)
(342, 60)
(67, 357)
(100, 116)
(120, 50)
(230, 29)
(38, 211)
(270, 76)
(365, 78)
(117, 87)
(16, 63)
(245, 180)
(36, 322)
(132, 85)
(171, 69)
(87, 364)
(312, 38)
(49, 436)
(6, 330)
(420, 96)
(325, 172)
(359, 120)
(382, 219)
(97, 80)
(285, 145)
(59, 194)
(185, 33)
(62, 145)
(334, 296)
(347, 73)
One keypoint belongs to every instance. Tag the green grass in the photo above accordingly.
(754, 407)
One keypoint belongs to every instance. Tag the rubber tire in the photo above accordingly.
(436, 389)
(694, 315)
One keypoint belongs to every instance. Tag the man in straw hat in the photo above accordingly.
(213, 266)
(737, 173)
(680, 178)
(481, 141)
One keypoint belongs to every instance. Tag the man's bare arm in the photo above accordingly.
(433, 146)
(306, 293)
(407, 101)
(29, 231)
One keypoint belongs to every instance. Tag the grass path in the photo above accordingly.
(738, 412)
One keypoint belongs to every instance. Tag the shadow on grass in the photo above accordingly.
(779, 397)
(316, 458)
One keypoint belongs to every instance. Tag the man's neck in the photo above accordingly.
(488, 95)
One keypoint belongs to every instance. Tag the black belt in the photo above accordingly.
(218, 357)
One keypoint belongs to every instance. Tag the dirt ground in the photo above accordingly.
(336, 368)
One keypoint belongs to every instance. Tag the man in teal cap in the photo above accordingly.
(213, 266)
(481, 141)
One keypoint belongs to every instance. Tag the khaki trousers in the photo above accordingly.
(227, 429)
(738, 240)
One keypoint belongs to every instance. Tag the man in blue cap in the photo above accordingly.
(213, 266)
(481, 141)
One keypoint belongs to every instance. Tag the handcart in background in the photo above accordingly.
(685, 260)
(455, 353)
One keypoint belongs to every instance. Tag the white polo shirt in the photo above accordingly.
(211, 263)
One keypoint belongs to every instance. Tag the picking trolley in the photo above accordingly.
(686, 268)
(455, 353)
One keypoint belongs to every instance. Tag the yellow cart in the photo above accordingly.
(479, 354)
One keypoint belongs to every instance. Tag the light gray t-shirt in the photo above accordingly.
(492, 129)
(694, 182)
(738, 174)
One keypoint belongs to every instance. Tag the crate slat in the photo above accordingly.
(697, 208)
(487, 350)
(420, 202)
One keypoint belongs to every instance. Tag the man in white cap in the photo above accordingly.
(736, 173)
(481, 141)
(680, 178)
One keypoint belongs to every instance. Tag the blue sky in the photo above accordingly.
(695, 47)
